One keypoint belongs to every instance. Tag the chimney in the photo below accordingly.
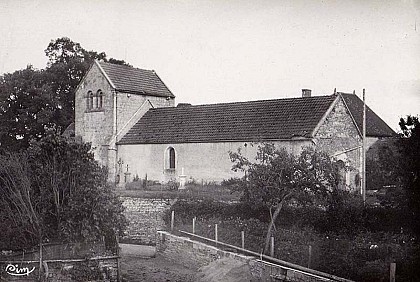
(306, 93)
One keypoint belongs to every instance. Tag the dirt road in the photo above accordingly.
(139, 263)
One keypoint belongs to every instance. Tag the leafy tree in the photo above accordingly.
(68, 63)
(382, 164)
(410, 164)
(57, 182)
(277, 178)
(20, 218)
(32, 101)
(26, 107)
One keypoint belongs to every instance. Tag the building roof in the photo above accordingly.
(266, 120)
(242, 121)
(375, 126)
(134, 80)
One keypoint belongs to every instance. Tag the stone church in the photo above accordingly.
(130, 118)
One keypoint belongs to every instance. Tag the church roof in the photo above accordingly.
(375, 126)
(134, 80)
(244, 121)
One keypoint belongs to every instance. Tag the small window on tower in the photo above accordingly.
(89, 100)
(100, 98)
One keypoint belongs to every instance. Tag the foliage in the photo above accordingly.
(21, 216)
(26, 107)
(31, 101)
(363, 255)
(410, 165)
(65, 188)
(382, 165)
(278, 177)
(86, 271)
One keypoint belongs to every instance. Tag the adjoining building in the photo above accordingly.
(129, 116)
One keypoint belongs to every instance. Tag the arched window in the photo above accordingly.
(171, 158)
(100, 99)
(89, 96)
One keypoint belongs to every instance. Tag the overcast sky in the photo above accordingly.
(223, 51)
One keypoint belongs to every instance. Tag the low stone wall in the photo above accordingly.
(145, 218)
(189, 253)
(194, 254)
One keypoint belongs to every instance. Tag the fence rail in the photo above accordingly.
(273, 261)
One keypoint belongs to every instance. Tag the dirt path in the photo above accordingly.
(139, 264)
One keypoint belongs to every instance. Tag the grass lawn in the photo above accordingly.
(192, 191)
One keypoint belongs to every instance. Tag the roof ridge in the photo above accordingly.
(256, 101)
(125, 66)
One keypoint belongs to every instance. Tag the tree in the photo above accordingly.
(27, 107)
(67, 65)
(277, 177)
(410, 165)
(20, 218)
(32, 101)
(59, 184)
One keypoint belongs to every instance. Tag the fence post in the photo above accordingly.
(194, 218)
(243, 239)
(215, 232)
(119, 276)
(40, 260)
(392, 272)
(272, 247)
(309, 256)
(172, 221)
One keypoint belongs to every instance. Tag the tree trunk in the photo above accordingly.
(270, 226)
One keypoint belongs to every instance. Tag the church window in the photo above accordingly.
(170, 160)
(100, 98)
(94, 102)
(89, 100)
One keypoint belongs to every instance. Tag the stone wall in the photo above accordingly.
(189, 253)
(194, 254)
(338, 136)
(99, 125)
(145, 217)
(96, 125)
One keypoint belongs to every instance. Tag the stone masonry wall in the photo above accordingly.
(339, 134)
(193, 254)
(94, 126)
(128, 104)
(189, 253)
(145, 217)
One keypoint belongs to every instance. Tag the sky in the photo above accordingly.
(225, 50)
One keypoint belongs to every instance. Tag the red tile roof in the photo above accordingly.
(242, 121)
(136, 81)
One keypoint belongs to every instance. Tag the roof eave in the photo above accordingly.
(143, 93)
(215, 141)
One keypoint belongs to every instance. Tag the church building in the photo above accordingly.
(130, 118)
